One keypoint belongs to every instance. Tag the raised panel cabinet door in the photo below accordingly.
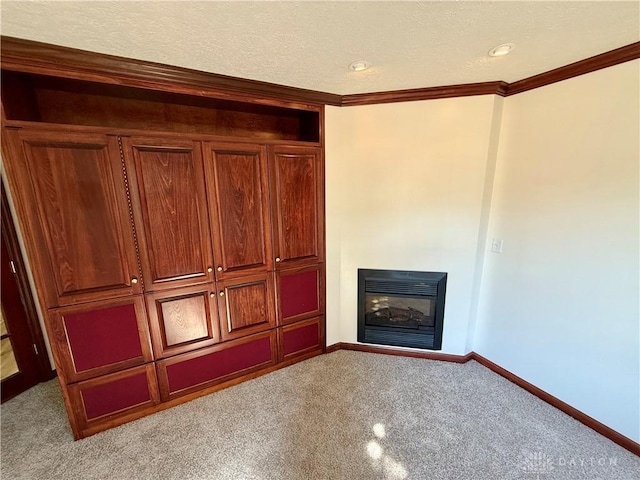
(75, 185)
(297, 199)
(97, 338)
(170, 207)
(239, 206)
(246, 305)
(182, 319)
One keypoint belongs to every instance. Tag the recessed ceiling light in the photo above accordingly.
(501, 50)
(359, 66)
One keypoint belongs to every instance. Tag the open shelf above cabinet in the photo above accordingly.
(45, 99)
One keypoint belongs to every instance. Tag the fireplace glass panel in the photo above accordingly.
(399, 311)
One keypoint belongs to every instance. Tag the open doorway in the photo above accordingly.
(23, 355)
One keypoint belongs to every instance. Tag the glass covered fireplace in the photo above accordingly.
(401, 308)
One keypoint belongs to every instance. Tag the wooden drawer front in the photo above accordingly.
(246, 306)
(300, 294)
(112, 396)
(98, 338)
(195, 370)
(301, 338)
(183, 319)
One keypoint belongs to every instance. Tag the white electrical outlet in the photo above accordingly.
(496, 245)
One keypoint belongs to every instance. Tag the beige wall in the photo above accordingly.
(405, 190)
(554, 173)
(560, 306)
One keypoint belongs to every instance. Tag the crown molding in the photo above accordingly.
(588, 65)
(431, 93)
(45, 59)
(504, 89)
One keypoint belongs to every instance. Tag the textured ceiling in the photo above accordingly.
(311, 44)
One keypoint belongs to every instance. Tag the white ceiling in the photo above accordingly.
(310, 44)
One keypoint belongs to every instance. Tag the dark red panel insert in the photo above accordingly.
(117, 395)
(302, 338)
(218, 364)
(298, 293)
(102, 337)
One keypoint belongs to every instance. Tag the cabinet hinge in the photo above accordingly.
(13, 266)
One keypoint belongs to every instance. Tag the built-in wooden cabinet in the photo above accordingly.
(95, 338)
(238, 196)
(170, 207)
(300, 293)
(301, 338)
(190, 372)
(109, 400)
(297, 205)
(176, 235)
(183, 319)
(74, 191)
(246, 305)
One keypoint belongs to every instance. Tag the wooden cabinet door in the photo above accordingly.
(246, 305)
(74, 190)
(297, 199)
(301, 338)
(183, 319)
(300, 293)
(97, 338)
(237, 180)
(170, 207)
(111, 400)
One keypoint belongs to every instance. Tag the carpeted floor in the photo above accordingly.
(346, 415)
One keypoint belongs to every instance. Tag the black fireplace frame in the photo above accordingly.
(410, 284)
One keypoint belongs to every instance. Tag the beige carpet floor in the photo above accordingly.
(346, 415)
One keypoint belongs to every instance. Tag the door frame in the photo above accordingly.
(34, 368)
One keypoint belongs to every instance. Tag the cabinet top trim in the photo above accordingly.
(53, 60)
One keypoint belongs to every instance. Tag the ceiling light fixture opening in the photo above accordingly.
(502, 50)
(359, 66)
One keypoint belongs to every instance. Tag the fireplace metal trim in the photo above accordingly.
(411, 284)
